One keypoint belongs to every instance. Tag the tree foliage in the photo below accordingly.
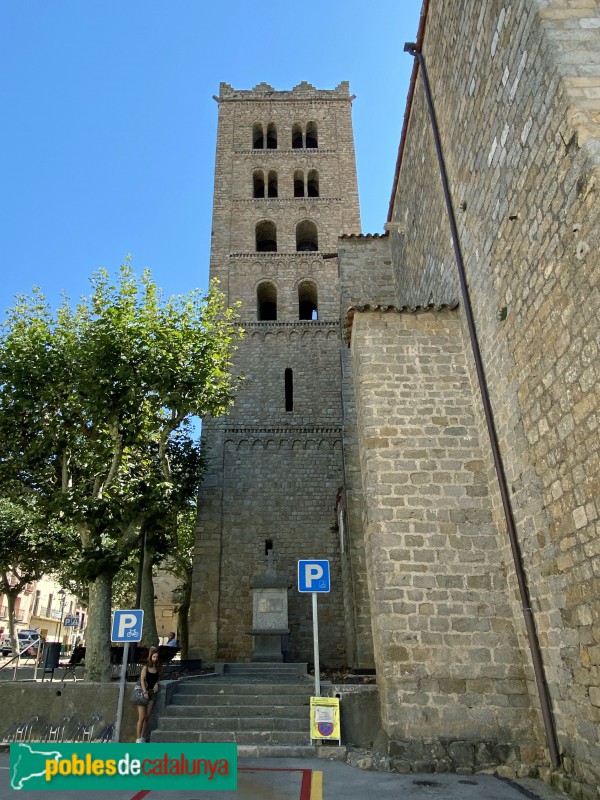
(180, 562)
(93, 401)
(28, 550)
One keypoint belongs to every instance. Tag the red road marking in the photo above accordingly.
(304, 786)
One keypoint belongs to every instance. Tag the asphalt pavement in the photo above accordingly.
(321, 779)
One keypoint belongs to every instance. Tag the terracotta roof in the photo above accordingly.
(402, 309)
(392, 309)
(363, 235)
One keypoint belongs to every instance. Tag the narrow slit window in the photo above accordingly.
(289, 390)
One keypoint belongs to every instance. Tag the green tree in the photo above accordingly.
(91, 402)
(28, 551)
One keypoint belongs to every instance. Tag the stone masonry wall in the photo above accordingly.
(281, 487)
(448, 662)
(517, 92)
(365, 263)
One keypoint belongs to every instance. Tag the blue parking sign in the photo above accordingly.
(313, 576)
(127, 626)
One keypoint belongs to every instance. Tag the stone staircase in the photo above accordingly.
(263, 707)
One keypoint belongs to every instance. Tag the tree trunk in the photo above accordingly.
(183, 627)
(10, 605)
(97, 633)
(150, 633)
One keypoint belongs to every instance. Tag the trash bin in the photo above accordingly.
(50, 657)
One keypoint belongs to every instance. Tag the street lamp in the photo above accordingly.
(63, 597)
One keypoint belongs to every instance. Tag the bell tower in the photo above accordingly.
(285, 190)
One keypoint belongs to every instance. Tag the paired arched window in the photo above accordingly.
(307, 301)
(264, 138)
(303, 138)
(308, 188)
(297, 137)
(307, 239)
(266, 302)
(258, 183)
(258, 136)
(266, 237)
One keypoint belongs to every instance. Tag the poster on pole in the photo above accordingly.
(325, 718)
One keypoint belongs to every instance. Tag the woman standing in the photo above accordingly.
(149, 681)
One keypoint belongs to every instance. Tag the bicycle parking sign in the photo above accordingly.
(127, 625)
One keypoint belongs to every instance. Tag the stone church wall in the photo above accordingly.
(517, 92)
(448, 662)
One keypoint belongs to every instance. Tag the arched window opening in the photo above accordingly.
(272, 184)
(311, 134)
(306, 237)
(313, 183)
(297, 142)
(271, 136)
(298, 183)
(258, 136)
(258, 180)
(266, 237)
(289, 390)
(266, 302)
(307, 301)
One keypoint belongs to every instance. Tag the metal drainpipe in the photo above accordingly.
(534, 645)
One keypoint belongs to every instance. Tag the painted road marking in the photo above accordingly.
(316, 785)
(311, 787)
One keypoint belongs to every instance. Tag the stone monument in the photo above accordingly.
(269, 614)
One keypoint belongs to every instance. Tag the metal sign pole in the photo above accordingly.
(122, 681)
(316, 645)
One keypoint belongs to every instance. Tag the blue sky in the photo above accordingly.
(108, 136)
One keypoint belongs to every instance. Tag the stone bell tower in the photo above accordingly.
(285, 189)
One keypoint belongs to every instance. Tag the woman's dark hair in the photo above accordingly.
(150, 663)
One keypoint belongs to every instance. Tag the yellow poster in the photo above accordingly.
(325, 718)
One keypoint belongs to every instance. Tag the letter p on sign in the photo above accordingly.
(313, 576)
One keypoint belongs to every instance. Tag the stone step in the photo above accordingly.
(271, 701)
(280, 738)
(235, 723)
(229, 711)
(209, 687)
(276, 751)
(265, 668)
